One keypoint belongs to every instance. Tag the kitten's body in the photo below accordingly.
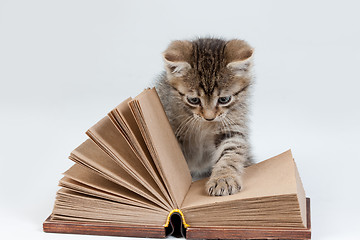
(204, 92)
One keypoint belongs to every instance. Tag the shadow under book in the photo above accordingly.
(130, 178)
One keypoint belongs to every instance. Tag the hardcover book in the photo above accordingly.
(130, 178)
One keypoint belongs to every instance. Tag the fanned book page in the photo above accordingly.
(162, 144)
(130, 178)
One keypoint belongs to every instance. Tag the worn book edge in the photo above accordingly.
(111, 229)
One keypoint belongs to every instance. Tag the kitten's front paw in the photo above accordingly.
(223, 185)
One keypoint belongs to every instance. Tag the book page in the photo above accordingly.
(110, 140)
(162, 144)
(271, 196)
(90, 155)
(301, 194)
(275, 176)
(124, 120)
(87, 181)
(70, 205)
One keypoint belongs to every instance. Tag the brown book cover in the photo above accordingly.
(130, 178)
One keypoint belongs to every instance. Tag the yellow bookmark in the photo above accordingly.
(182, 216)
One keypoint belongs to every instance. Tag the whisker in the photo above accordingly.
(182, 125)
(187, 133)
(234, 126)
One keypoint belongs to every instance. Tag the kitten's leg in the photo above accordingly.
(231, 157)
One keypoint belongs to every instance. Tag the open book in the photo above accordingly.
(130, 178)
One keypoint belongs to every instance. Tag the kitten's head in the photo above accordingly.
(209, 75)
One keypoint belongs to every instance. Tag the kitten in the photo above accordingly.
(204, 92)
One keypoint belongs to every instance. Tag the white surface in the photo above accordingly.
(65, 64)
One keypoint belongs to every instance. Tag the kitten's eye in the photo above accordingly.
(224, 100)
(193, 101)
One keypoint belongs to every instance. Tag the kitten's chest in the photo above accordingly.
(198, 147)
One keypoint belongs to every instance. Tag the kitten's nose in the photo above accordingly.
(209, 114)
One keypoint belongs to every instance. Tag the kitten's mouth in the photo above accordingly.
(215, 119)
(208, 120)
(211, 120)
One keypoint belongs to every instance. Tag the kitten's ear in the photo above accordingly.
(177, 57)
(238, 56)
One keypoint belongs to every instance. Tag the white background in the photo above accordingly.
(65, 64)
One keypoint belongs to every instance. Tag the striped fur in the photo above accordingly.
(213, 132)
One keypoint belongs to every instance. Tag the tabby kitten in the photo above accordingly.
(204, 92)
